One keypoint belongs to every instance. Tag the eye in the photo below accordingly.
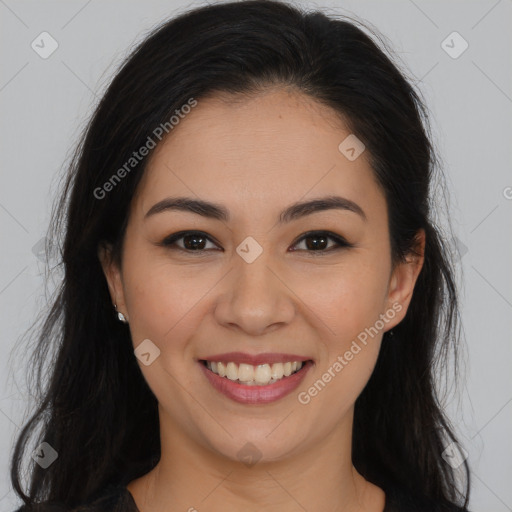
(320, 241)
(195, 241)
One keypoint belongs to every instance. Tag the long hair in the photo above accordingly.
(94, 406)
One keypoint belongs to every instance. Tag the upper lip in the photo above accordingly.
(256, 359)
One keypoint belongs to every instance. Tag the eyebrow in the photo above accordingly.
(291, 213)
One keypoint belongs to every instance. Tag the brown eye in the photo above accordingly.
(318, 241)
(314, 242)
(193, 241)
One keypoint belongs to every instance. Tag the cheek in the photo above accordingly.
(340, 380)
(347, 299)
(350, 307)
(162, 299)
(165, 307)
(350, 303)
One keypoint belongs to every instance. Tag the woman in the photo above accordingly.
(255, 294)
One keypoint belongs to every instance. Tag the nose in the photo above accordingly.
(255, 298)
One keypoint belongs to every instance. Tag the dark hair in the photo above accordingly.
(96, 410)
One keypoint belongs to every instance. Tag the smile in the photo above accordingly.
(260, 383)
(250, 375)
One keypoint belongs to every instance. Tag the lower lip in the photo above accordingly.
(256, 394)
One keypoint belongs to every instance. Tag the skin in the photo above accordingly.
(256, 157)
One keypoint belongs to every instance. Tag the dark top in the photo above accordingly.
(117, 498)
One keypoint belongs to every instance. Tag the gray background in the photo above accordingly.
(46, 102)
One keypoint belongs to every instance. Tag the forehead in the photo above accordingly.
(274, 147)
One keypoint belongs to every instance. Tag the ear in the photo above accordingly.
(403, 279)
(113, 277)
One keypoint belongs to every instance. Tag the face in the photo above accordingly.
(314, 285)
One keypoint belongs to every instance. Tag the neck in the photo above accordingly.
(192, 477)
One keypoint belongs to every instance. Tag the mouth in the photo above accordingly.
(253, 375)
(255, 383)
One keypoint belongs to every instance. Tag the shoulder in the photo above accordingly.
(113, 498)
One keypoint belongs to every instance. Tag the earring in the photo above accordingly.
(390, 332)
(120, 315)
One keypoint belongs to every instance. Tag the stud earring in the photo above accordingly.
(120, 315)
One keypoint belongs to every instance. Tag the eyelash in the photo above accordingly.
(170, 241)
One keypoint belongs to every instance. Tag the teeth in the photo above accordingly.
(246, 372)
(254, 375)
(263, 374)
(277, 371)
(232, 371)
(221, 369)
